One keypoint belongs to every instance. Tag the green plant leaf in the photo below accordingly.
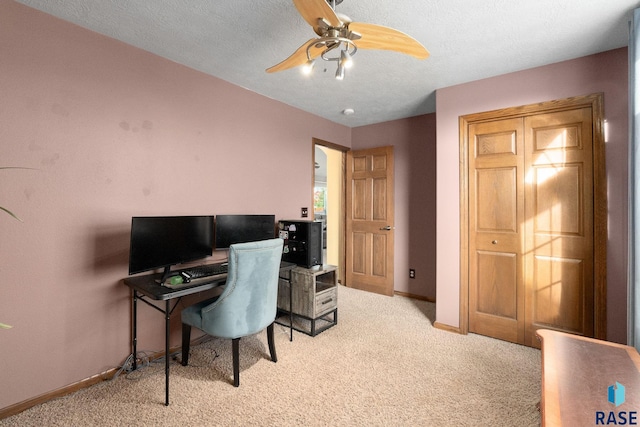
(5, 326)
(7, 210)
(17, 167)
(10, 213)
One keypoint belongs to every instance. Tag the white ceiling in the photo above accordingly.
(236, 40)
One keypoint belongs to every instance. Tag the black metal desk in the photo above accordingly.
(145, 286)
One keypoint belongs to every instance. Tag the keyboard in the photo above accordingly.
(207, 270)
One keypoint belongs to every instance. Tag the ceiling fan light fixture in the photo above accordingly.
(340, 72)
(345, 59)
(308, 67)
(338, 36)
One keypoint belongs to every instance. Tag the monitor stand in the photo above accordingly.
(165, 274)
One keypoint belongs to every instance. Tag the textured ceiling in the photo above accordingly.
(237, 40)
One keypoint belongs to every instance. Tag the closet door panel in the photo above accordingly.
(496, 213)
(559, 230)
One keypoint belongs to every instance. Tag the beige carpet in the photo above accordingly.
(383, 365)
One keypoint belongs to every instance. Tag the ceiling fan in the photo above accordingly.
(340, 38)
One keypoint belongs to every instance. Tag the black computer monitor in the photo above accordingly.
(163, 241)
(230, 229)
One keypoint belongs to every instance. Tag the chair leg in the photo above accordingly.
(186, 341)
(272, 344)
(236, 361)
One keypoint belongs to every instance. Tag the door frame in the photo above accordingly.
(596, 102)
(343, 196)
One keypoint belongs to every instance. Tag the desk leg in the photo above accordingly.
(290, 311)
(166, 352)
(134, 341)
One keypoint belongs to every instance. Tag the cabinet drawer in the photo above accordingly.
(326, 301)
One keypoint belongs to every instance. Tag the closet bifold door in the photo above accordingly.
(535, 225)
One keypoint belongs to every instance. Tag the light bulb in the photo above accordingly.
(308, 67)
(345, 59)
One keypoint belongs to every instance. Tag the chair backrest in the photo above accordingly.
(249, 301)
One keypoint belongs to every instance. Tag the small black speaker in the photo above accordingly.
(302, 242)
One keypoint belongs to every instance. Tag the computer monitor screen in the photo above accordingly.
(232, 229)
(163, 241)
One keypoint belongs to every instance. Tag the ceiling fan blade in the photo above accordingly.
(385, 38)
(313, 10)
(297, 58)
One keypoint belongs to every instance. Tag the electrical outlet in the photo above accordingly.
(412, 273)
(304, 212)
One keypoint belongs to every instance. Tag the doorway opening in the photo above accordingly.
(329, 200)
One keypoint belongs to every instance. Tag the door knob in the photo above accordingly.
(387, 228)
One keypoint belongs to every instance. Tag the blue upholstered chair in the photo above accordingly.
(247, 305)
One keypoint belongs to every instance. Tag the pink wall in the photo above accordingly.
(606, 72)
(115, 132)
(414, 145)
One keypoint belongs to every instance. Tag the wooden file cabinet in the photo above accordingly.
(314, 297)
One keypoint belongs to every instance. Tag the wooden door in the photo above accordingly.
(559, 228)
(532, 230)
(496, 217)
(370, 220)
